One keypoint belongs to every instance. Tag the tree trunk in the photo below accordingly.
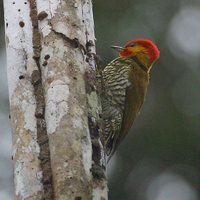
(53, 100)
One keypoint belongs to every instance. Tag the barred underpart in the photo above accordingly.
(119, 83)
(115, 81)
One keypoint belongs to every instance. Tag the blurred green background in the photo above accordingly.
(160, 158)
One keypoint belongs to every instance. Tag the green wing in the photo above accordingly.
(135, 95)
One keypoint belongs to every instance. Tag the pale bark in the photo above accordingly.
(53, 100)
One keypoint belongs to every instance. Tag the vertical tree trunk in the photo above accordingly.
(53, 100)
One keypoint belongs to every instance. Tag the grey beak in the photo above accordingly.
(118, 48)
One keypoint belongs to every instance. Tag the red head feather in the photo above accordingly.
(151, 48)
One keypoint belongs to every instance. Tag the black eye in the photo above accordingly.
(132, 45)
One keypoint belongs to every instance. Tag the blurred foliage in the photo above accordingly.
(165, 137)
(1, 25)
(6, 171)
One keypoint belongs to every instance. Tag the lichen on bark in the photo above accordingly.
(54, 100)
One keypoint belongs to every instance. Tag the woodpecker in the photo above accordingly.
(124, 83)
